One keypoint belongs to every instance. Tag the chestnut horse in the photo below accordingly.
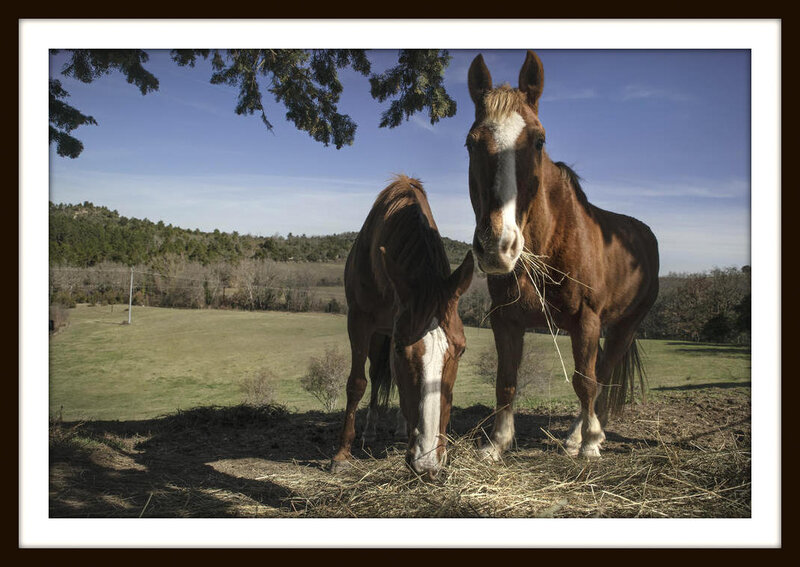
(402, 314)
(552, 258)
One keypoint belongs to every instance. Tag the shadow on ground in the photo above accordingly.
(737, 351)
(688, 387)
(241, 461)
(175, 466)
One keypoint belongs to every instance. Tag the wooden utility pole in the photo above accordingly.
(130, 298)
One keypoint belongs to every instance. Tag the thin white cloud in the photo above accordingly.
(247, 204)
(423, 123)
(559, 94)
(698, 188)
(694, 241)
(204, 107)
(690, 238)
(640, 92)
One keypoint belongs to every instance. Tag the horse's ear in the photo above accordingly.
(531, 79)
(461, 278)
(395, 277)
(479, 80)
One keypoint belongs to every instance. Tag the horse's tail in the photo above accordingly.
(622, 379)
(381, 375)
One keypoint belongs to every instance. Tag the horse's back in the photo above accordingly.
(631, 263)
(400, 211)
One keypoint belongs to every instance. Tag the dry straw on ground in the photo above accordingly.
(680, 457)
(659, 481)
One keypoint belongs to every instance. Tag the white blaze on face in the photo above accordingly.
(430, 403)
(505, 133)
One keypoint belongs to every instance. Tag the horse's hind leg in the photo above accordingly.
(360, 333)
(369, 434)
(585, 344)
(373, 412)
(401, 426)
(619, 339)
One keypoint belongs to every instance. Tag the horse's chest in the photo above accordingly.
(534, 303)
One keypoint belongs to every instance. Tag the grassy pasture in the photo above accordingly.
(171, 359)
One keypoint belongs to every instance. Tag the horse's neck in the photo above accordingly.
(552, 208)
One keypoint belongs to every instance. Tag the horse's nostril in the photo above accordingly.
(508, 245)
(477, 246)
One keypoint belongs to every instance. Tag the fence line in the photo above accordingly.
(202, 281)
(69, 285)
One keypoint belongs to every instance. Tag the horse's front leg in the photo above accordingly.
(401, 427)
(508, 339)
(586, 433)
(377, 344)
(356, 385)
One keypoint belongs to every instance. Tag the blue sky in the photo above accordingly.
(661, 135)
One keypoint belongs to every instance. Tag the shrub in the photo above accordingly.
(334, 306)
(475, 304)
(63, 298)
(259, 389)
(326, 377)
(59, 317)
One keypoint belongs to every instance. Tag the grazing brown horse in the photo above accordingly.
(402, 314)
(552, 258)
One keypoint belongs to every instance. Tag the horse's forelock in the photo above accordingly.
(499, 103)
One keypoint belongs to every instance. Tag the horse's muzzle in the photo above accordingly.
(428, 466)
(498, 255)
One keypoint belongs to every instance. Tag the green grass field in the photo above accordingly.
(170, 359)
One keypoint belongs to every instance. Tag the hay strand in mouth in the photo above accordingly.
(543, 267)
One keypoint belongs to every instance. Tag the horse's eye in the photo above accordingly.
(539, 143)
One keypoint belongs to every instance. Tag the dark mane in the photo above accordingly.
(575, 181)
(412, 240)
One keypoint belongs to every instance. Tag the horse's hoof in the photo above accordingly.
(339, 466)
(490, 453)
(590, 453)
(572, 450)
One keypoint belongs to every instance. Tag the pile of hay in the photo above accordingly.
(684, 457)
(660, 481)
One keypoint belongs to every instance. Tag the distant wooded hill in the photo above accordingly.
(85, 235)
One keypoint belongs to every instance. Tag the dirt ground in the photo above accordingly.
(685, 453)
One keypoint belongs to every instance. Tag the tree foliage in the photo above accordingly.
(415, 83)
(64, 118)
(85, 235)
(305, 82)
(712, 307)
(86, 65)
